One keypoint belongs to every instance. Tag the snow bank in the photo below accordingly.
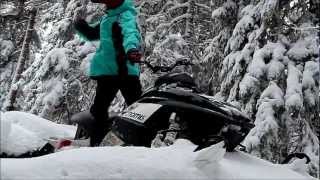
(174, 162)
(23, 132)
(19, 130)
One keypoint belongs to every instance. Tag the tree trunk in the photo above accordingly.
(23, 57)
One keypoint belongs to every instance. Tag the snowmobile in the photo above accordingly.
(173, 108)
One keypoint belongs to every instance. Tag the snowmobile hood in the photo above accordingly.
(199, 100)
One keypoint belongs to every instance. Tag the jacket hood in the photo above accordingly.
(126, 5)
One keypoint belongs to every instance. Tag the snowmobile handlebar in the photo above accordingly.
(180, 62)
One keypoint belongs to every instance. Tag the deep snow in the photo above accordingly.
(23, 132)
(174, 162)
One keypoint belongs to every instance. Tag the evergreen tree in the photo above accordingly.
(261, 56)
(55, 84)
(12, 33)
(270, 71)
(23, 57)
(175, 29)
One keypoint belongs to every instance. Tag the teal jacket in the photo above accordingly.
(104, 62)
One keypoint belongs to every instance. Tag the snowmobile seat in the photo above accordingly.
(181, 79)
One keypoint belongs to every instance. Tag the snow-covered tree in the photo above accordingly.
(261, 56)
(271, 72)
(6, 49)
(55, 83)
(13, 20)
(175, 29)
(223, 21)
(23, 58)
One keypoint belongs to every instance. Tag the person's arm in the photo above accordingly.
(88, 32)
(130, 31)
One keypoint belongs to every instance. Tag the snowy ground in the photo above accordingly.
(22, 132)
(174, 162)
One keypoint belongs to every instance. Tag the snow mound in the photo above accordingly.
(23, 132)
(20, 130)
(174, 162)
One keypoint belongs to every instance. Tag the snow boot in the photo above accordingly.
(100, 130)
(95, 129)
(85, 122)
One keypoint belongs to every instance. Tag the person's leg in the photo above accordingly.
(106, 90)
(131, 89)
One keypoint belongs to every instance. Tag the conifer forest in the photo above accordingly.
(261, 56)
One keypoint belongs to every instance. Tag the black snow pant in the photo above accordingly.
(107, 88)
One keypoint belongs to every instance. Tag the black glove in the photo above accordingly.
(91, 33)
(134, 56)
(80, 25)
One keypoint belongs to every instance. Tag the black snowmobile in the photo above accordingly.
(173, 108)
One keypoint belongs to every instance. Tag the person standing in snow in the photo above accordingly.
(115, 63)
